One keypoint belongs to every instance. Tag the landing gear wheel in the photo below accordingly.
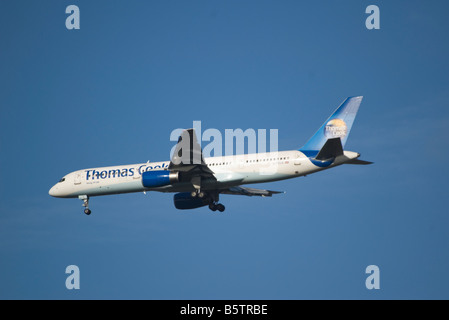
(85, 199)
(194, 194)
(213, 207)
(220, 207)
(201, 195)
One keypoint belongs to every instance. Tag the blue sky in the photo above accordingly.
(112, 92)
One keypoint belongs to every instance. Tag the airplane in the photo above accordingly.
(198, 181)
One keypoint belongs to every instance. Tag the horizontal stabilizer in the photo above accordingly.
(250, 192)
(357, 161)
(331, 149)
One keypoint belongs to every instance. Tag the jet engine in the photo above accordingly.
(159, 178)
(184, 200)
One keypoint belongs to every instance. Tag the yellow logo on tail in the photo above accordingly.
(335, 128)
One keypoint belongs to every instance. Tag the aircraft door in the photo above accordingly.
(77, 179)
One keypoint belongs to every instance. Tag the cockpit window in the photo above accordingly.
(62, 180)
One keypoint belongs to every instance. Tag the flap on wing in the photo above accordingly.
(250, 192)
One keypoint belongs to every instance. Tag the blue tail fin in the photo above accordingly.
(337, 126)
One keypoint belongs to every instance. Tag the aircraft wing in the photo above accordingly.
(188, 159)
(249, 191)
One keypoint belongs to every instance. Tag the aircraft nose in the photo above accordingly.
(52, 191)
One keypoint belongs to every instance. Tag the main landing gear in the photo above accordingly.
(85, 204)
(198, 194)
(211, 198)
(218, 206)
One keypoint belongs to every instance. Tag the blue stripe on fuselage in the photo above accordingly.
(311, 154)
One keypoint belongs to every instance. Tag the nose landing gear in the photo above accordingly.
(85, 204)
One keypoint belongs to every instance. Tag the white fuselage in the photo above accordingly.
(228, 170)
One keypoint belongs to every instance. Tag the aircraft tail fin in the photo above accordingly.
(338, 125)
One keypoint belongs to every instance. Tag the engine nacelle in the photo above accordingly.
(159, 178)
(184, 200)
